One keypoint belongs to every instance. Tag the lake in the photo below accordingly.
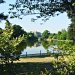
(38, 50)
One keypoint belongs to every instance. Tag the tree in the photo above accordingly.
(59, 35)
(53, 36)
(10, 49)
(45, 34)
(1, 30)
(7, 25)
(45, 44)
(62, 35)
(45, 8)
(1, 1)
(31, 39)
(71, 30)
(18, 31)
(3, 17)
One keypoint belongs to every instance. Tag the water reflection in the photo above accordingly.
(42, 47)
(34, 50)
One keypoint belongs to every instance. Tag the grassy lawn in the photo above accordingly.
(43, 59)
(38, 66)
(36, 59)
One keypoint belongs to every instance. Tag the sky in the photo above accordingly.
(54, 24)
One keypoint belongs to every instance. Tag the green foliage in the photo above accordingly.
(10, 48)
(71, 30)
(45, 34)
(18, 31)
(65, 46)
(45, 44)
(31, 39)
(7, 25)
(62, 35)
(1, 30)
(46, 9)
(3, 17)
(54, 36)
(59, 35)
(13, 40)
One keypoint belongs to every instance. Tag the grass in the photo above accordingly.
(37, 66)
(36, 59)
(42, 59)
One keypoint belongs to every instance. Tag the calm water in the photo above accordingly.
(35, 50)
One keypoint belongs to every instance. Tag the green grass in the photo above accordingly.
(37, 69)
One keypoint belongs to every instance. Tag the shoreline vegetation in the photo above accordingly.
(13, 40)
(49, 40)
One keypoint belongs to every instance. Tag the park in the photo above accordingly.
(37, 37)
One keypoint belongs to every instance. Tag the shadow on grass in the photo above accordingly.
(24, 68)
(35, 69)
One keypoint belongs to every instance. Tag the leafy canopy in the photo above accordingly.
(43, 7)
(9, 50)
